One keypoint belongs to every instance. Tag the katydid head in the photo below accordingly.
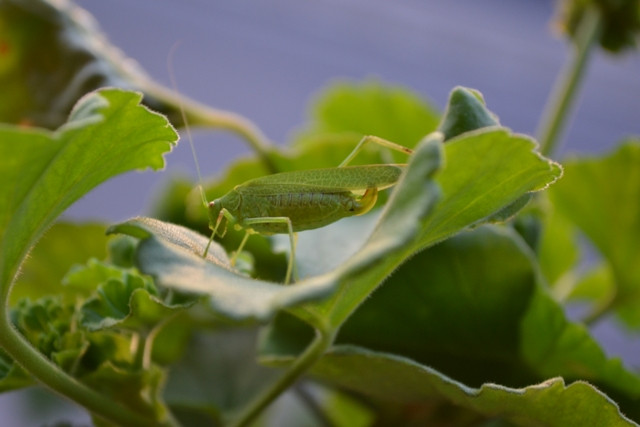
(220, 209)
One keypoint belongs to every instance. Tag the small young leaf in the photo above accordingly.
(130, 303)
(140, 390)
(466, 112)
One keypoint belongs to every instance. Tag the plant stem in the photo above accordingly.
(564, 92)
(52, 376)
(313, 352)
(199, 114)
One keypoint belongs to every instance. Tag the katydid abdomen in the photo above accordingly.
(305, 210)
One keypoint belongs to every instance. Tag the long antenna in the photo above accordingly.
(174, 86)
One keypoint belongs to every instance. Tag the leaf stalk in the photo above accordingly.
(308, 358)
(564, 93)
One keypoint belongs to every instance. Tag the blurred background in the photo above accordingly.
(266, 60)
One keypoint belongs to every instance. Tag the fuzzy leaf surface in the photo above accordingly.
(173, 255)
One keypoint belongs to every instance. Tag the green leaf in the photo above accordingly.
(108, 133)
(369, 108)
(487, 170)
(62, 246)
(397, 379)
(172, 254)
(426, 308)
(558, 253)
(83, 280)
(217, 375)
(601, 196)
(49, 326)
(466, 112)
(130, 303)
(53, 54)
(140, 390)
(473, 308)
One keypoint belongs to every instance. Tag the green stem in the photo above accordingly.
(310, 356)
(565, 90)
(56, 379)
(198, 114)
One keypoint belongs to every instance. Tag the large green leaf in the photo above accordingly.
(473, 309)
(601, 196)
(108, 133)
(401, 380)
(173, 255)
(456, 307)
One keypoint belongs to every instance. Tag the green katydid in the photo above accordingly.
(288, 202)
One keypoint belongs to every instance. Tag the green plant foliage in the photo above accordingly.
(140, 389)
(173, 255)
(130, 302)
(62, 246)
(53, 169)
(609, 215)
(471, 308)
(420, 312)
(393, 113)
(227, 358)
(410, 386)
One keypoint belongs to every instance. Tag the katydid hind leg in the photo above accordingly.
(376, 140)
(291, 266)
